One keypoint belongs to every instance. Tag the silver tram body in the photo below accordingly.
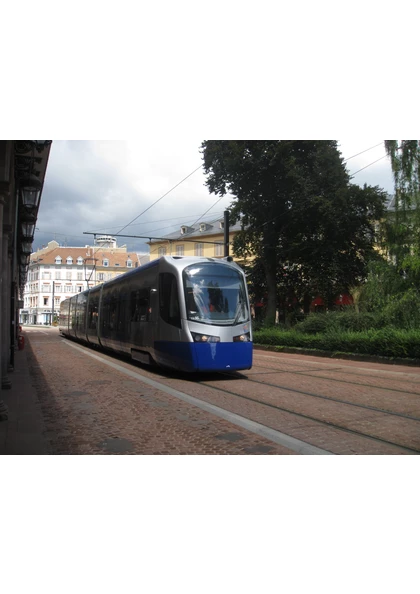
(185, 313)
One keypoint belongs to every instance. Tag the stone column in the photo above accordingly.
(5, 308)
(3, 407)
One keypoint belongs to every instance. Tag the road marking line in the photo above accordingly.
(282, 439)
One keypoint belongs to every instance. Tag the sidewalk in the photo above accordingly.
(23, 432)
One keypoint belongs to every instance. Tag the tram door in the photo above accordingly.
(141, 317)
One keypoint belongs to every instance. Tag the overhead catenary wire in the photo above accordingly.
(159, 199)
(373, 163)
(361, 153)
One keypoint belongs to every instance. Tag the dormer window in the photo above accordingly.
(79, 261)
(203, 227)
(105, 262)
(129, 263)
(222, 224)
(58, 260)
(183, 230)
(69, 260)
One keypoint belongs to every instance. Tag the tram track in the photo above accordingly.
(329, 398)
(312, 418)
(309, 373)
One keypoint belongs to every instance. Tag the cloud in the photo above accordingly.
(102, 185)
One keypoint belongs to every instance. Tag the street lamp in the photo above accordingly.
(30, 191)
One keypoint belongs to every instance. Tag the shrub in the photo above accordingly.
(314, 324)
(403, 311)
(385, 342)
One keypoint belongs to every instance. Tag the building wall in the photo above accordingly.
(202, 239)
(49, 282)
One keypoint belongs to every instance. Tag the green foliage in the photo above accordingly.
(401, 228)
(310, 230)
(340, 321)
(386, 342)
(383, 284)
(314, 324)
(403, 311)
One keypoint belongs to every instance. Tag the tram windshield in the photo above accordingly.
(215, 294)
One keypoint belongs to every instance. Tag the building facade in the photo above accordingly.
(202, 239)
(57, 273)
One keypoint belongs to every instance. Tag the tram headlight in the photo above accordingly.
(246, 337)
(204, 337)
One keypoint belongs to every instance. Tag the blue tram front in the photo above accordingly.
(205, 318)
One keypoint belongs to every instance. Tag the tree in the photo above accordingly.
(301, 218)
(402, 227)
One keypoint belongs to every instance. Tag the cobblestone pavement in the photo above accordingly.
(94, 403)
(89, 408)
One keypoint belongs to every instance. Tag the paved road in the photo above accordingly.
(286, 404)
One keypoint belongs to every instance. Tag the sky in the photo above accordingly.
(103, 185)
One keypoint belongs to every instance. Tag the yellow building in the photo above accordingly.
(202, 239)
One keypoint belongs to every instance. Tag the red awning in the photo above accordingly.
(344, 299)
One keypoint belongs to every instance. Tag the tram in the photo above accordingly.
(185, 313)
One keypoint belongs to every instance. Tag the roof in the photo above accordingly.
(193, 231)
(90, 254)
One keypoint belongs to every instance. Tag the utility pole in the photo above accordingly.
(226, 232)
(52, 308)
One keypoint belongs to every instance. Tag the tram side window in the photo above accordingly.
(168, 299)
(139, 305)
(93, 313)
(110, 311)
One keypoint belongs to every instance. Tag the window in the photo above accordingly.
(68, 288)
(68, 275)
(57, 301)
(179, 250)
(183, 230)
(218, 249)
(198, 249)
(45, 288)
(58, 288)
(69, 260)
(58, 276)
(105, 262)
(116, 264)
(222, 224)
(168, 299)
(129, 263)
(139, 305)
(203, 227)
(162, 251)
(101, 276)
(58, 260)
(46, 275)
(80, 276)
(79, 261)
(45, 300)
(79, 289)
